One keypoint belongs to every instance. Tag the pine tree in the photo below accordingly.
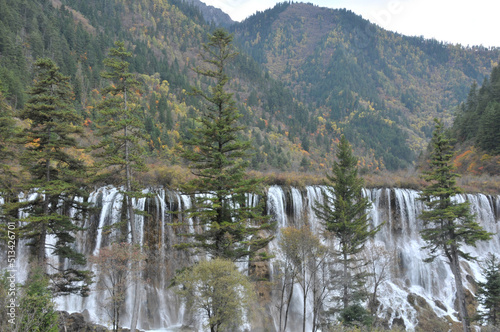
(447, 224)
(121, 149)
(489, 291)
(57, 175)
(120, 152)
(218, 158)
(344, 212)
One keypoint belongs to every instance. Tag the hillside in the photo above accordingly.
(367, 82)
(379, 88)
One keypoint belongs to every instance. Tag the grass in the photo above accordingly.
(174, 176)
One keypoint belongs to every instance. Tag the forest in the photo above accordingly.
(136, 94)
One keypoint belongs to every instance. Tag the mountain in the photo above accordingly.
(355, 73)
(212, 14)
(304, 75)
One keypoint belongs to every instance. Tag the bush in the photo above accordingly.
(356, 315)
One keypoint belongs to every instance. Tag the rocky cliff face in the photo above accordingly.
(212, 14)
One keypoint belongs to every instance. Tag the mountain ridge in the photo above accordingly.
(304, 76)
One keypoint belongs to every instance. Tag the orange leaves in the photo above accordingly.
(35, 143)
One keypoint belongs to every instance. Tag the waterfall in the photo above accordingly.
(397, 209)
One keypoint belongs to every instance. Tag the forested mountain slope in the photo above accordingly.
(362, 79)
(304, 75)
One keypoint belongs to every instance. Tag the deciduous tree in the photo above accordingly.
(218, 291)
(305, 257)
(118, 264)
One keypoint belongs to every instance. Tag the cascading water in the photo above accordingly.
(399, 238)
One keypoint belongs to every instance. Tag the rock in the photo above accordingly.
(76, 322)
(440, 305)
(427, 318)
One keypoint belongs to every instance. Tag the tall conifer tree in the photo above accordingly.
(218, 157)
(344, 212)
(57, 175)
(448, 224)
(489, 291)
(121, 150)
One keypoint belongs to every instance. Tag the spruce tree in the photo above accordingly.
(57, 176)
(489, 291)
(344, 212)
(218, 158)
(447, 224)
(121, 151)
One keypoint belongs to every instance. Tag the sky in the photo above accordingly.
(465, 22)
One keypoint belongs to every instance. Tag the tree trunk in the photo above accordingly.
(304, 311)
(462, 306)
(131, 218)
(345, 295)
(288, 302)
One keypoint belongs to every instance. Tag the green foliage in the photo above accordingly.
(356, 315)
(57, 175)
(120, 125)
(218, 291)
(37, 311)
(447, 224)
(121, 152)
(344, 212)
(217, 156)
(477, 119)
(488, 136)
(489, 291)
(301, 63)
(8, 130)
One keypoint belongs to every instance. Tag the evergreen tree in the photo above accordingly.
(37, 311)
(8, 131)
(57, 175)
(447, 224)
(489, 291)
(488, 135)
(218, 158)
(120, 152)
(121, 149)
(344, 212)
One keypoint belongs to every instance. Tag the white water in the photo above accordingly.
(398, 209)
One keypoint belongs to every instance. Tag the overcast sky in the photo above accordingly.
(463, 22)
